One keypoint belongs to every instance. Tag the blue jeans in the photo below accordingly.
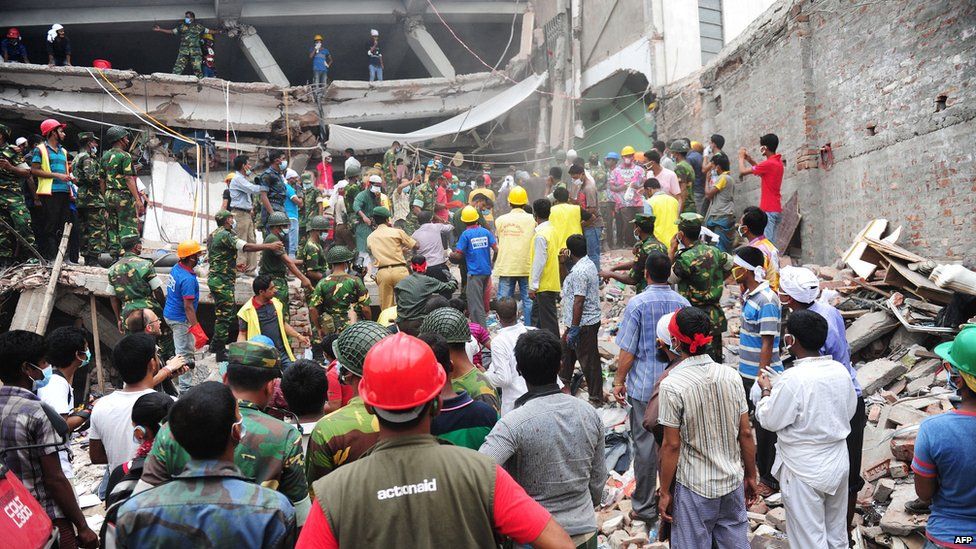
(774, 220)
(293, 240)
(184, 343)
(375, 73)
(506, 288)
(592, 235)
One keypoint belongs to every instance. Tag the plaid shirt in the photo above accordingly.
(637, 335)
(23, 422)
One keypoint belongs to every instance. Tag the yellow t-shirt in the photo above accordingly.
(665, 210)
(514, 231)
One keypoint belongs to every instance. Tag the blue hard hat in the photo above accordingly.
(613, 155)
(263, 339)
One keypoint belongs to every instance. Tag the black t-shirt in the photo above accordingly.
(268, 320)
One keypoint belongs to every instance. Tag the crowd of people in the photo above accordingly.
(354, 431)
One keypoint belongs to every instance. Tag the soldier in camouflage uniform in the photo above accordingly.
(211, 502)
(389, 164)
(270, 452)
(311, 205)
(121, 194)
(13, 209)
(645, 245)
(133, 286)
(354, 185)
(334, 295)
(312, 252)
(701, 270)
(222, 248)
(276, 262)
(348, 433)
(424, 200)
(453, 326)
(92, 214)
(686, 175)
(189, 33)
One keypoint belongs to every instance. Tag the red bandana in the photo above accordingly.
(699, 340)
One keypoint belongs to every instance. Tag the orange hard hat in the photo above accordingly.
(49, 125)
(400, 374)
(188, 248)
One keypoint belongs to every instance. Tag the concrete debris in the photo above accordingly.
(868, 328)
(883, 490)
(777, 518)
(876, 374)
(896, 520)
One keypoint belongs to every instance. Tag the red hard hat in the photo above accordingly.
(400, 373)
(13, 33)
(49, 125)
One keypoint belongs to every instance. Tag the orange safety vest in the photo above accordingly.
(44, 183)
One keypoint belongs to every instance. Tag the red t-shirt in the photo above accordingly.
(337, 390)
(517, 516)
(770, 171)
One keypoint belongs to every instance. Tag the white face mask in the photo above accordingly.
(233, 224)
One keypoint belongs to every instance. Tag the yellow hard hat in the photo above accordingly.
(229, 176)
(517, 196)
(207, 36)
(318, 37)
(627, 151)
(469, 214)
(188, 248)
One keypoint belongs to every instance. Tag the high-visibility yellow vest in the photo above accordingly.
(549, 281)
(566, 221)
(250, 315)
(44, 183)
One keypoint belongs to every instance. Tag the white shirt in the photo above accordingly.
(59, 396)
(502, 373)
(111, 422)
(810, 409)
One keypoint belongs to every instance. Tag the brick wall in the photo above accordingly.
(864, 77)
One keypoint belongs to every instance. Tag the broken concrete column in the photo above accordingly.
(875, 375)
(260, 57)
(427, 50)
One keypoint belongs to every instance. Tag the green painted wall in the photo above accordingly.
(614, 134)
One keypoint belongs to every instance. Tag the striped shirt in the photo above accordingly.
(637, 335)
(760, 317)
(704, 401)
(58, 160)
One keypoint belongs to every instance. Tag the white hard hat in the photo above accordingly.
(290, 173)
(374, 32)
(375, 179)
(571, 155)
(21, 141)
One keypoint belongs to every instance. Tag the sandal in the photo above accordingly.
(765, 490)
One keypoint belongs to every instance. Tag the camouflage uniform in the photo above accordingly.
(312, 257)
(310, 195)
(454, 327)
(642, 250)
(189, 48)
(477, 385)
(117, 166)
(352, 189)
(425, 197)
(272, 264)
(686, 175)
(222, 254)
(702, 270)
(339, 438)
(129, 279)
(334, 295)
(92, 214)
(389, 167)
(210, 504)
(13, 209)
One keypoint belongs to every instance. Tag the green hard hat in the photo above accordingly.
(961, 352)
(353, 171)
(689, 220)
(679, 146)
(5, 130)
(380, 211)
(222, 216)
(318, 223)
(643, 219)
(339, 254)
(84, 137)
(278, 219)
(116, 133)
(253, 353)
(307, 177)
(354, 342)
(448, 322)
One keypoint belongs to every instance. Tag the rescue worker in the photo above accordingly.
(274, 189)
(13, 208)
(413, 292)
(13, 49)
(133, 286)
(92, 213)
(50, 167)
(353, 186)
(362, 210)
(424, 200)
(348, 433)
(700, 270)
(276, 262)
(389, 163)
(453, 326)
(209, 55)
(646, 244)
(334, 295)
(270, 450)
(686, 176)
(314, 204)
(515, 231)
(462, 498)
(189, 33)
(122, 196)
(387, 245)
(222, 248)
(312, 254)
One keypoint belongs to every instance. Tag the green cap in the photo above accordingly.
(318, 223)
(679, 146)
(381, 211)
(5, 130)
(689, 220)
(307, 177)
(352, 171)
(339, 254)
(86, 136)
(960, 353)
(278, 219)
(115, 133)
(643, 219)
(449, 323)
(222, 216)
(354, 342)
(252, 353)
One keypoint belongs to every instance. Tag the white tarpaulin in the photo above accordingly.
(177, 204)
(342, 137)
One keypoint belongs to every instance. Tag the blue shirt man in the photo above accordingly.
(476, 243)
(58, 159)
(183, 285)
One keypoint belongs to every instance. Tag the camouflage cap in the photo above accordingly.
(86, 136)
(689, 220)
(643, 219)
(116, 133)
(222, 216)
(339, 254)
(252, 353)
(129, 240)
(447, 322)
(318, 223)
(307, 177)
(5, 130)
(354, 342)
(380, 211)
(679, 146)
(278, 219)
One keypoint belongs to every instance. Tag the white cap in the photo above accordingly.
(374, 32)
(20, 141)
(375, 179)
(799, 283)
(662, 327)
(341, 184)
(290, 173)
(571, 155)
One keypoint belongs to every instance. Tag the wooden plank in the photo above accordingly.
(900, 276)
(853, 256)
(52, 284)
(98, 345)
(788, 225)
